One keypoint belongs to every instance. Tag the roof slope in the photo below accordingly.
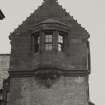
(51, 9)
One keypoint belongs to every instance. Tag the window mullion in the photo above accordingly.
(32, 43)
(35, 42)
(42, 40)
(55, 40)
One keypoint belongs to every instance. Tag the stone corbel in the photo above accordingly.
(47, 77)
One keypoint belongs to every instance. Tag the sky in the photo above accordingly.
(89, 13)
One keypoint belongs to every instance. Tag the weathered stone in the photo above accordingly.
(65, 91)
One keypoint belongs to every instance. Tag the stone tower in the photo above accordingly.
(50, 60)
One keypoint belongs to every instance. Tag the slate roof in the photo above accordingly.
(50, 9)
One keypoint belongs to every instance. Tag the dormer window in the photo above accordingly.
(49, 40)
(53, 33)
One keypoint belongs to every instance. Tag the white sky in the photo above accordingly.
(90, 13)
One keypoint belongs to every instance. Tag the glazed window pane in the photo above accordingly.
(48, 38)
(48, 46)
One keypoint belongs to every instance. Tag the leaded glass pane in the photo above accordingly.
(48, 46)
(48, 38)
(60, 39)
(38, 40)
(59, 47)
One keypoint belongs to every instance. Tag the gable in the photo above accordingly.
(51, 9)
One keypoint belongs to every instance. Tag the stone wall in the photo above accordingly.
(64, 91)
(23, 56)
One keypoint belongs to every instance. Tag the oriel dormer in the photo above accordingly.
(50, 35)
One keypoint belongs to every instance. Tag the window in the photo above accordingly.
(49, 41)
(36, 41)
(48, 46)
(59, 47)
(48, 38)
(1, 96)
(60, 41)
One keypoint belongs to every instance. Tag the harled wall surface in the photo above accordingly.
(64, 91)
